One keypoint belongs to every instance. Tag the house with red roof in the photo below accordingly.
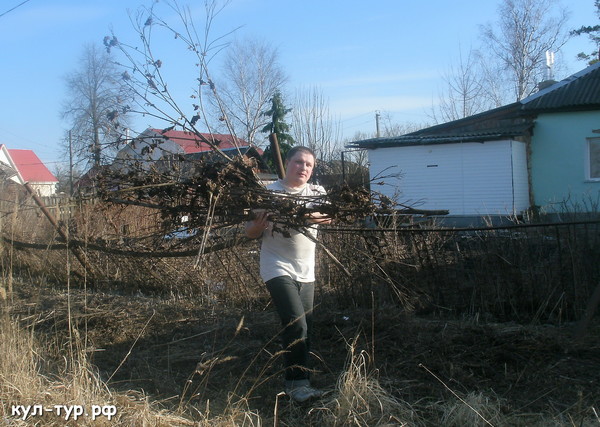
(155, 148)
(24, 166)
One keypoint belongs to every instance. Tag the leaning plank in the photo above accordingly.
(76, 250)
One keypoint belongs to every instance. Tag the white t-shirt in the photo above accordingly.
(292, 256)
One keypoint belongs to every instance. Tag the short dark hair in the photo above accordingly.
(299, 149)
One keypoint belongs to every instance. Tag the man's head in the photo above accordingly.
(299, 164)
(299, 148)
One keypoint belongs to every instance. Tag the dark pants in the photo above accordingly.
(294, 303)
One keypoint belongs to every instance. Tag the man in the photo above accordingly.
(287, 265)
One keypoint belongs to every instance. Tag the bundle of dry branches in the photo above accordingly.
(218, 193)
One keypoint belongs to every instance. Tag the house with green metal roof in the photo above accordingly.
(565, 145)
(542, 152)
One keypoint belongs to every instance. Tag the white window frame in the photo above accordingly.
(588, 159)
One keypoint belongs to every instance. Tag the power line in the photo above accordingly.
(356, 116)
(20, 137)
(10, 10)
(358, 124)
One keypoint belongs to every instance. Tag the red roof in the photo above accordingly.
(30, 166)
(191, 143)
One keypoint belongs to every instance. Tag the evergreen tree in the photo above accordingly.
(279, 127)
(593, 33)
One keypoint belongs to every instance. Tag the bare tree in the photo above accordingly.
(390, 128)
(494, 80)
(518, 42)
(148, 70)
(66, 177)
(464, 91)
(251, 75)
(313, 125)
(94, 101)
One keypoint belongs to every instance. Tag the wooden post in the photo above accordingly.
(277, 155)
(79, 254)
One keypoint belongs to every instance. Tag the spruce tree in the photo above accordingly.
(279, 127)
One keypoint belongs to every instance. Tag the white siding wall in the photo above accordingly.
(520, 176)
(4, 158)
(465, 178)
(145, 151)
(44, 189)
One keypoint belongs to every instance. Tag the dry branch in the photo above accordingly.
(238, 191)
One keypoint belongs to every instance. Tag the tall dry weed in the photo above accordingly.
(34, 373)
(360, 400)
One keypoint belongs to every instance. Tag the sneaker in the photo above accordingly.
(301, 393)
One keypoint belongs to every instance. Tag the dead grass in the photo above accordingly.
(37, 373)
(360, 400)
(475, 409)
(42, 364)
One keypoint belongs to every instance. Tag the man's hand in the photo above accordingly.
(318, 218)
(256, 226)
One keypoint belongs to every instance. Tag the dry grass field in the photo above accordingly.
(429, 329)
(165, 361)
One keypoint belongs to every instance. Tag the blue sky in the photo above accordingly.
(365, 56)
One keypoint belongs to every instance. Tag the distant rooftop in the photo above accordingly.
(192, 143)
(580, 91)
(30, 167)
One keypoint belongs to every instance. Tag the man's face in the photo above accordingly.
(299, 168)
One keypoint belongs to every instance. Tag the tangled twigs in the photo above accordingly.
(238, 190)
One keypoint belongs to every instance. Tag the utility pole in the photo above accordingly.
(377, 115)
